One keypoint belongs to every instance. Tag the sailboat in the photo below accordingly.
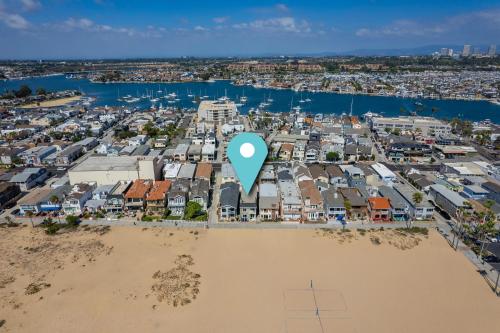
(243, 98)
(301, 100)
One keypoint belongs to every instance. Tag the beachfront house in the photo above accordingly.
(334, 205)
(229, 201)
(135, 198)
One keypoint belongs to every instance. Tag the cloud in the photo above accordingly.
(14, 21)
(30, 5)
(281, 7)
(485, 20)
(283, 24)
(200, 28)
(83, 23)
(220, 20)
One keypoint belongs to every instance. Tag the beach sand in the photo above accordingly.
(52, 103)
(128, 280)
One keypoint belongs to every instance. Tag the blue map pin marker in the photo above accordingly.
(247, 152)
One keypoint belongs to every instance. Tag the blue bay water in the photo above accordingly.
(107, 94)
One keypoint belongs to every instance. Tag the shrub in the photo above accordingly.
(72, 220)
(147, 218)
(52, 228)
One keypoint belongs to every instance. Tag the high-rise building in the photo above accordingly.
(477, 51)
(216, 110)
(492, 50)
(466, 50)
(446, 52)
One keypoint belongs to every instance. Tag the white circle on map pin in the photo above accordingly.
(247, 150)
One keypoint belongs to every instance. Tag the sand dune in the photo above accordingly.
(126, 280)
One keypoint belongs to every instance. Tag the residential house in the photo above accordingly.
(301, 173)
(418, 211)
(355, 202)
(194, 153)
(269, 202)
(312, 201)
(493, 191)
(171, 170)
(87, 144)
(156, 199)
(229, 201)
(8, 193)
(9, 156)
(355, 176)
(204, 171)
(448, 200)
(313, 151)
(200, 190)
(177, 197)
(135, 198)
(334, 206)
(187, 171)
(228, 174)
(208, 153)
(379, 208)
(29, 178)
(286, 152)
(69, 155)
(181, 152)
(115, 200)
(291, 202)
(299, 151)
(248, 206)
(399, 208)
(475, 192)
(74, 202)
(37, 155)
(137, 140)
(318, 173)
(336, 176)
(267, 174)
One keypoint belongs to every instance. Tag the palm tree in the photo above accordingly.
(348, 207)
(417, 197)
(55, 200)
(30, 215)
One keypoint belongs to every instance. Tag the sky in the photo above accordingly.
(59, 29)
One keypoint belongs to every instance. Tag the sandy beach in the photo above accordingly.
(167, 280)
(52, 103)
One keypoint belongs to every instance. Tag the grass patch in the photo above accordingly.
(172, 217)
(415, 230)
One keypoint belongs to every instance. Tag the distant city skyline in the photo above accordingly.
(56, 29)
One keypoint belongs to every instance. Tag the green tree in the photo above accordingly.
(150, 130)
(417, 197)
(348, 207)
(41, 91)
(30, 215)
(205, 76)
(72, 220)
(24, 91)
(332, 156)
(489, 203)
(193, 209)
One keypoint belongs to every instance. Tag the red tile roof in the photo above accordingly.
(138, 189)
(379, 203)
(159, 190)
